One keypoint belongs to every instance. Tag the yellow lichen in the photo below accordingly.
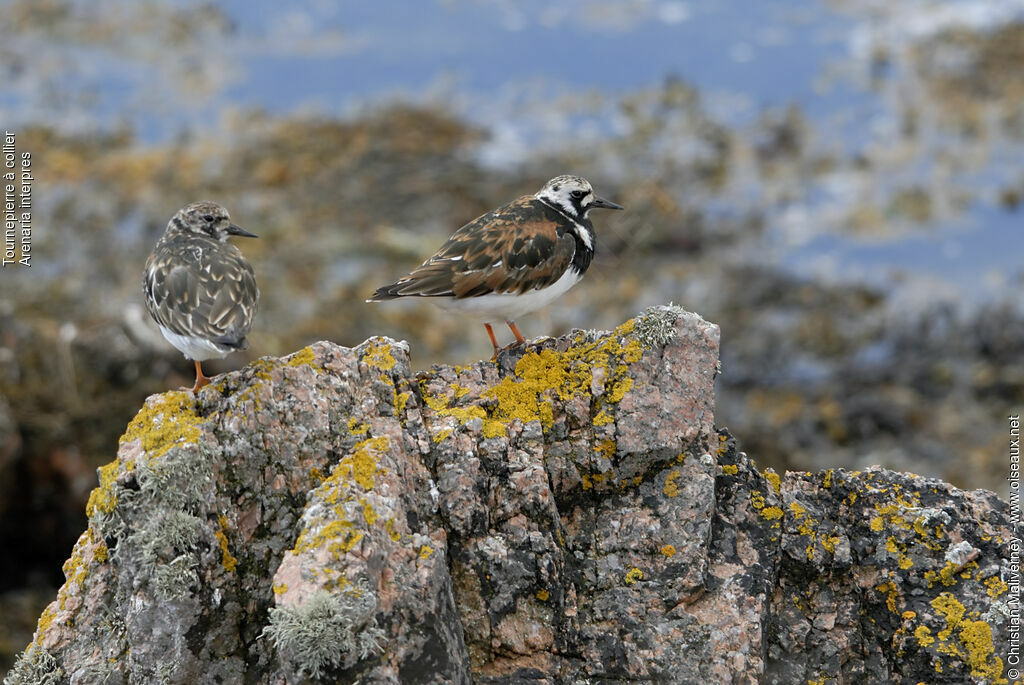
(995, 586)
(632, 351)
(368, 513)
(974, 638)
(339, 537)
(774, 479)
(379, 356)
(924, 636)
(543, 595)
(771, 513)
(946, 575)
(339, 534)
(304, 357)
(76, 568)
(620, 388)
(544, 376)
(441, 435)
(362, 463)
(633, 575)
(389, 525)
(164, 423)
(280, 588)
(524, 397)
(671, 489)
(226, 559)
(625, 328)
(357, 428)
(953, 611)
(798, 510)
(668, 550)
(45, 621)
(400, 401)
(891, 591)
(439, 404)
(722, 446)
(593, 480)
(829, 542)
(919, 527)
(894, 513)
(493, 429)
(426, 551)
(103, 499)
(261, 369)
(730, 469)
(606, 448)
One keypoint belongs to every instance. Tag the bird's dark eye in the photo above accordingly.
(577, 194)
(208, 218)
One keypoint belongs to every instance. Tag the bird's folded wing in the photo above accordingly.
(209, 297)
(502, 252)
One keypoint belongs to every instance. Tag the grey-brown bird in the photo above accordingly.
(199, 288)
(512, 260)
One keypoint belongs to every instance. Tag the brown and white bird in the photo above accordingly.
(199, 288)
(512, 260)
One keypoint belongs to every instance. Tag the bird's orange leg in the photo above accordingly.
(515, 331)
(494, 341)
(201, 380)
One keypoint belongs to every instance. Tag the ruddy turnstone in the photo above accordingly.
(512, 260)
(199, 288)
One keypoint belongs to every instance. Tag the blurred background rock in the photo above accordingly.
(837, 184)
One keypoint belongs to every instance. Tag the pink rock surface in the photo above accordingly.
(567, 514)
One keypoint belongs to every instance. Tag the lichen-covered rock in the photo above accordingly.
(874, 576)
(568, 514)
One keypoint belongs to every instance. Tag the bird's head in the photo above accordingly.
(573, 195)
(207, 219)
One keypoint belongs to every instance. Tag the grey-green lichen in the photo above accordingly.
(656, 327)
(35, 666)
(152, 522)
(330, 630)
(175, 579)
(178, 480)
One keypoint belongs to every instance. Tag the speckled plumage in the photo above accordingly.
(512, 260)
(199, 288)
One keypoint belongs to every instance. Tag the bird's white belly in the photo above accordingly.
(497, 308)
(195, 348)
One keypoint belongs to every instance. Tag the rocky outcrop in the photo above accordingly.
(567, 514)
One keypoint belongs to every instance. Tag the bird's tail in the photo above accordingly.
(234, 340)
(387, 292)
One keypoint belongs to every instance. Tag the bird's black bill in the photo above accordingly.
(238, 230)
(605, 204)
